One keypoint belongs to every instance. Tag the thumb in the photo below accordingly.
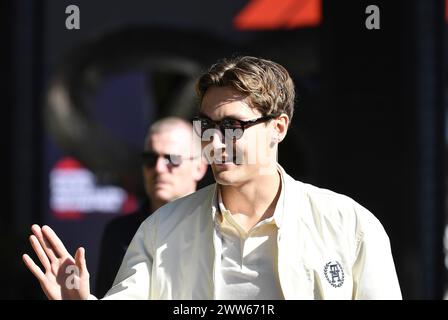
(80, 260)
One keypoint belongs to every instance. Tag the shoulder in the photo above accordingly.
(330, 202)
(327, 201)
(338, 211)
(189, 202)
(182, 208)
(177, 218)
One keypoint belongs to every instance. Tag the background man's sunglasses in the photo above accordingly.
(150, 158)
(234, 127)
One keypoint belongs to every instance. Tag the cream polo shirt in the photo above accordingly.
(249, 264)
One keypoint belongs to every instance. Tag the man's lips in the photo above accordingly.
(160, 182)
(224, 162)
(226, 159)
(219, 157)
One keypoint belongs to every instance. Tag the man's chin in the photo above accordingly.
(226, 166)
(226, 175)
(162, 194)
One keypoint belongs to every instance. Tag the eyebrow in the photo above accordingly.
(203, 115)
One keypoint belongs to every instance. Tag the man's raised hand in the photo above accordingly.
(65, 277)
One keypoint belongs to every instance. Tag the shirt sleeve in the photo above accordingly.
(374, 274)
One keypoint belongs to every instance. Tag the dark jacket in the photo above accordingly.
(117, 235)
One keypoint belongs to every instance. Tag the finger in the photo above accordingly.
(35, 270)
(80, 259)
(44, 243)
(40, 252)
(55, 242)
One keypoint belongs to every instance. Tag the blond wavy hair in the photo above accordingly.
(267, 84)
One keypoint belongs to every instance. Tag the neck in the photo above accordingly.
(156, 204)
(254, 200)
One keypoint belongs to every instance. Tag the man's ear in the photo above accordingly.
(281, 126)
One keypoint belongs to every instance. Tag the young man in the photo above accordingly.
(255, 234)
(170, 171)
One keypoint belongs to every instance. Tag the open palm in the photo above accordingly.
(65, 277)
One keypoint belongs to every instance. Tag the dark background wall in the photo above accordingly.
(369, 120)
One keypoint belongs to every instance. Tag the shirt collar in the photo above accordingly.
(218, 206)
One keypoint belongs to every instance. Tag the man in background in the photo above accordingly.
(171, 170)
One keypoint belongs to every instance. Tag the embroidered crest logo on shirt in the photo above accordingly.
(334, 273)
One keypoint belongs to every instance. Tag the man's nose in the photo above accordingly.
(218, 140)
(161, 165)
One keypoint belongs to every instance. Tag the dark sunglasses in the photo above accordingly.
(149, 159)
(233, 127)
